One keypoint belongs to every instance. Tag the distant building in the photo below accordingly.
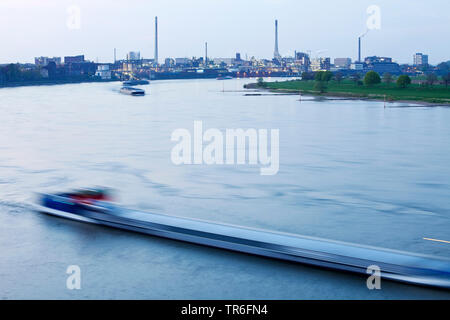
(182, 61)
(326, 64)
(134, 56)
(103, 72)
(237, 62)
(74, 59)
(420, 59)
(197, 62)
(342, 63)
(382, 65)
(221, 61)
(169, 63)
(321, 64)
(302, 59)
(301, 55)
(386, 67)
(147, 62)
(44, 61)
(128, 67)
(375, 59)
(76, 69)
(358, 66)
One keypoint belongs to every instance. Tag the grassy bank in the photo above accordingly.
(346, 88)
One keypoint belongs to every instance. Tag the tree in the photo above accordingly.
(403, 81)
(261, 82)
(431, 79)
(327, 76)
(12, 72)
(323, 76)
(318, 76)
(356, 77)
(338, 77)
(371, 78)
(387, 78)
(320, 86)
(446, 79)
(444, 66)
(307, 76)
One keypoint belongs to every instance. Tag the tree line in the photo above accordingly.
(14, 73)
(371, 78)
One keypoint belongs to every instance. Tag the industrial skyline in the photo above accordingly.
(301, 60)
(248, 30)
(322, 62)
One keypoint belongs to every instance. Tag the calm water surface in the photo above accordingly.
(349, 170)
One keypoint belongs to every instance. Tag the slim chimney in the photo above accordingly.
(276, 54)
(206, 53)
(359, 44)
(156, 40)
(359, 49)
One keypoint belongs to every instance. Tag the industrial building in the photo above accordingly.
(420, 59)
(342, 63)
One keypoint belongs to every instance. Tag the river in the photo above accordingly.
(349, 170)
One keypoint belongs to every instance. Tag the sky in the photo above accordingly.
(327, 28)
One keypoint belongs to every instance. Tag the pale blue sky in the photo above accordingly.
(38, 27)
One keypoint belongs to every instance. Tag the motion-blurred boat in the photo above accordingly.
(225, 78)
(135, 82)
(95, 206)
(132, 91)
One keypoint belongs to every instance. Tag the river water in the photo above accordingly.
(349, 170)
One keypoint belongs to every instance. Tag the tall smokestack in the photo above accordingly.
(359, 44)
(156, 40)
(206, 53)
(276, 53)
(359, 49)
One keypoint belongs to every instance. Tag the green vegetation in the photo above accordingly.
(446, 79)
(12, 72)
(371, 78)
(356, 78)
(353, 87)
(431, 79)
(324, 76)
(338, 77)
(320, 86)
(321, 80)
(261, 83)
(403, 81)
(388, 78)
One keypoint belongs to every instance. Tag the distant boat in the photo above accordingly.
(135, 82)
(225, 78)
(132, 91)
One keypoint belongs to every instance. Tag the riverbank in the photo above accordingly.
(430, 96)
